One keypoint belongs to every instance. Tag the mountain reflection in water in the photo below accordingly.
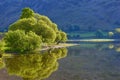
(35, 66)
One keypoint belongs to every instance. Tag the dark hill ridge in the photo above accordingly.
(103, 14)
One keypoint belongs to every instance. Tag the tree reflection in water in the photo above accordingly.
(35, 66)
(2, 65)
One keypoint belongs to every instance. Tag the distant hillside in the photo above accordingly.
(74, 14)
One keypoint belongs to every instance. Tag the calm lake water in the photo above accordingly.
(91, 61)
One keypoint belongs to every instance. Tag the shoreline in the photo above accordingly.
(61, 45)
(94, 40)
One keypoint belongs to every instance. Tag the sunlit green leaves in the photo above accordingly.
(30, 30)
(61, 37)
(39, 24)
(26, 24)
(48, 35)
(19, 41)
(27, 13)
(2, 46)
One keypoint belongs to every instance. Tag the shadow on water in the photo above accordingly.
(33, 66)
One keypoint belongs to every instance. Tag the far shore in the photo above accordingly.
(94, 40)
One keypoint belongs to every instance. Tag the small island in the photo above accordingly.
(31, 32)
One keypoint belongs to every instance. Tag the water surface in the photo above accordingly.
(94, 61)
(91, 61)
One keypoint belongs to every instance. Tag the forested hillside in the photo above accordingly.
(70, 15)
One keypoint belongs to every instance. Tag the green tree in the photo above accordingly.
(20, 42)
(32, 41)
(48, 34)
(46, 20)
(26, 24)
(27, 13)
(15, 39)
(61, 37)
(39, 24)
(58, 37)
(2, 45)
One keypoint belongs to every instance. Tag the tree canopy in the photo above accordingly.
(30, 30)
(2, 44)
(27, 13)
(39, 24)
(20, 41)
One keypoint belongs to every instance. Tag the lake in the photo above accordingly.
(86, 61)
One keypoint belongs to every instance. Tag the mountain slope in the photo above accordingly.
(102, 14)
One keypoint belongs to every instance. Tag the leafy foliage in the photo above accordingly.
(39, 24)
(30, 30)
(2, 44)
(58, 37)
(48, 34)
(27, 13)
(19, 41)
(61, 37)
(26, 24)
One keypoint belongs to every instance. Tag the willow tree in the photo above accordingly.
(61, 37)
(26, 24)
(39, 24)
(27, 13)
(47, 33)
(2, 45)
(20, 41)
